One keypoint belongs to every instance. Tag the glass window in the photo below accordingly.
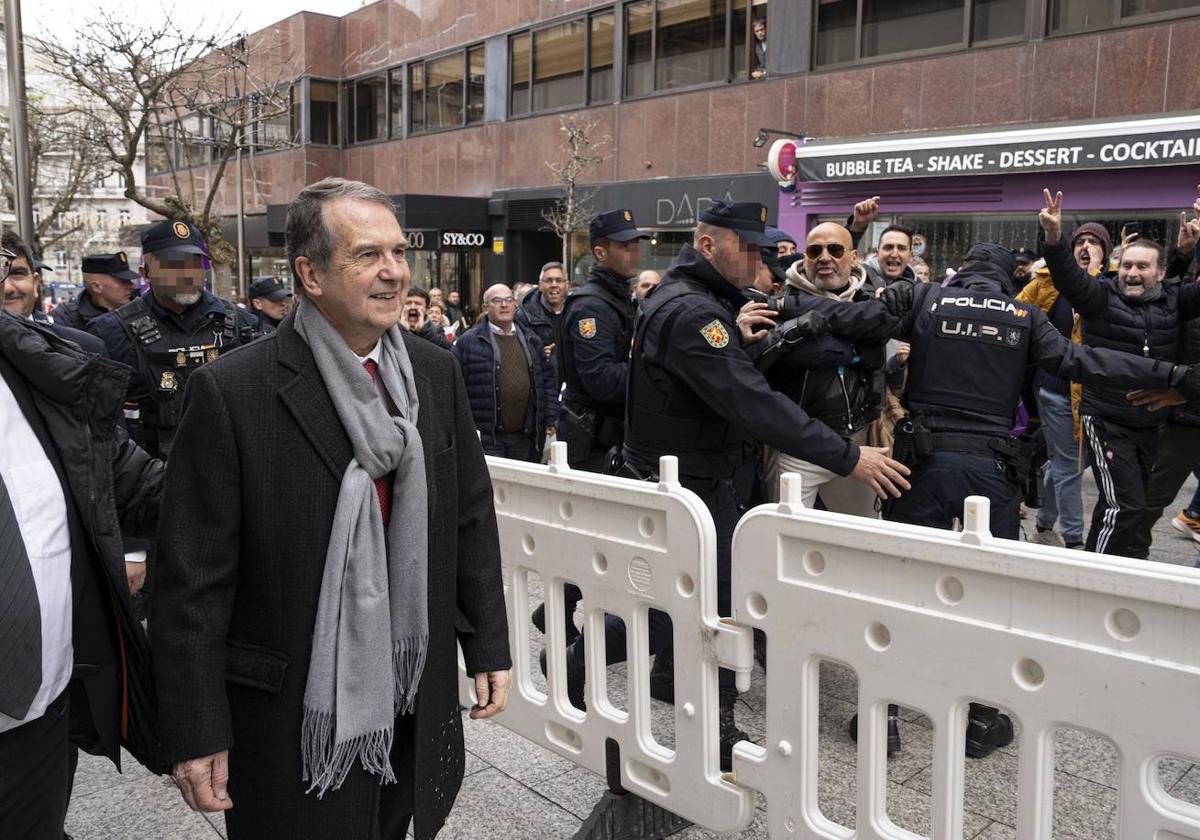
(600, 65)
(296, 107)
(348, 112)
(444, 92)
(416, 98)
(323, 112)
(558, 66)
(518, 102)
(370, 109)
(690, 43)
(396, 82)
(889, 27)
(1130, 8)
(997, 19)
(475, 84)
(274, 127)
(836, 22)
(192, 148)
(1066, 15)
(158, 150)
(639, 48)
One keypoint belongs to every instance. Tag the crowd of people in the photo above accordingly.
(243, 541)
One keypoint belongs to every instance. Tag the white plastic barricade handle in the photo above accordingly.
(934, 620)
(630, 546)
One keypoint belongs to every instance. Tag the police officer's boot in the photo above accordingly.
(662, 676)
(571, 597)
(893, 729)
(987, 729)
(575, 675)
(729, 732)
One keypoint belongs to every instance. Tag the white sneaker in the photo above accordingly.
(1048, 537)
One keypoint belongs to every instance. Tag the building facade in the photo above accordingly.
(454, 108)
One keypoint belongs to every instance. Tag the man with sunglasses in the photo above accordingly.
(170, 330)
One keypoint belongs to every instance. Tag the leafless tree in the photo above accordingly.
(582, 151)
(187, 99)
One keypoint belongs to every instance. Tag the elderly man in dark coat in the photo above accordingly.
(306, 663)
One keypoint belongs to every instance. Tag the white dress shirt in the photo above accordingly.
(41, 509)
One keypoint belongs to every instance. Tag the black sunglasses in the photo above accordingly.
(814, 251)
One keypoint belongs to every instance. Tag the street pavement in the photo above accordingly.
(514, 789)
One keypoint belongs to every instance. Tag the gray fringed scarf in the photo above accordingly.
(372, 628)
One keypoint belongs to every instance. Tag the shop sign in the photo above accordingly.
(998, 153)
(465, 240)
(420, 240)
(498, 246)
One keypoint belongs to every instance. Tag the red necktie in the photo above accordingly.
(383, 484)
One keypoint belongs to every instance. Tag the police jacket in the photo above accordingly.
(77, 313)
(479, 358)
(693, 391)
(163, 349)
(534, 316)
(597, 328)
(973, 345)
(1149, 325)
(844, 396)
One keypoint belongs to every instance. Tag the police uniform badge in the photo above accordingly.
(587, 327)
(628, 216)
(181, 230)
(211, 354)
(168, 382)
(1012, 337)
(763, 215)
(714, 333)
(180, 359)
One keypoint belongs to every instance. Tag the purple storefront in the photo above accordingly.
(988, 185)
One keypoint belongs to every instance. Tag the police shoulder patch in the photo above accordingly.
(714, 333)
(587, 327)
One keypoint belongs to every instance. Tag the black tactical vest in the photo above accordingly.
(576, 393)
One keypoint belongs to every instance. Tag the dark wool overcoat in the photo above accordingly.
(247, 511)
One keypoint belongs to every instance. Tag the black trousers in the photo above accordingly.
(35, 776)
(518, 446)
(1121, 458)
(941, 482)
(1178, 454)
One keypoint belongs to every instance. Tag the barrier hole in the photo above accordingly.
(565, 509)
(646, 526)
(1122, 624)
(878, 636)
(990, 781)
(616, 674)
(500, 495)
(756, 605)
(1028, 674)
(1178, 778)
(915, 731)
(814, 562)
(1087, 773)
(949, 590)
(535, 588)
(599, 563)
(836, 753)
(659, 683)
(685, 585)
(528, 544)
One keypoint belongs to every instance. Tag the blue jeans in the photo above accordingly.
(1063, 498)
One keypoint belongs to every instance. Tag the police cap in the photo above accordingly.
(114, 265)
(1024, 256)
(270, 288)
(778, 236)
(617, 225)
(172, 239)
(748, 219)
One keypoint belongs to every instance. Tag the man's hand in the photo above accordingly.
(204, 782)
(548, 349)
(550, 430)
(1156, 400)
(898, 298)
(491, 694)
(864, 213)
(902, 352)
(135, 573)
(754, 321)
(1050, 217)
(1189, 230)
(879, 472)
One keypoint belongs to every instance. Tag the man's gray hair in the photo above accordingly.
(547, 267)
(307, 233)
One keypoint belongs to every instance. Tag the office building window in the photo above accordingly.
(396, 100)
(853, 30)
(366, 109)
(444, 91)
(439, 95)
(124, 217)
(1077, 15)
(323, 112)
(564, 65)
(193, 141)
(416, 98)
(639, 48)
(276, 121)
(690, 42)
(475, 84)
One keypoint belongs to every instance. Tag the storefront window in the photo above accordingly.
(639, 48)
(518, 73)
(475, 86)
(558, 66)
(323, 113)
(600, 75)
(396, 97)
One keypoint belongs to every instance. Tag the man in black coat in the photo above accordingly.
(78, 671)
(234, 628)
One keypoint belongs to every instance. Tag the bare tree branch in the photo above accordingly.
(582, 151)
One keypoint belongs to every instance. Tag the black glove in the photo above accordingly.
(898, 298)
(790, 333)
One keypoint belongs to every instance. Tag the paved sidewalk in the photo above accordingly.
(514, 789)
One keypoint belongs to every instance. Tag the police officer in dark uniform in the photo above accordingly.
(271, 300)
(972, 348)
(107, 283)
(694, 393)
(171, 329)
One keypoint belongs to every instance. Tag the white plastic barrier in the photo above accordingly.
(630, 546)
(934, 620)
